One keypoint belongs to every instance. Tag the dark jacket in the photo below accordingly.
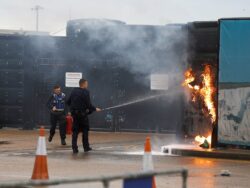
(79, 100)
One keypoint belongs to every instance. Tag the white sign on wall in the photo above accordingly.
(72, 79)
(159, 81)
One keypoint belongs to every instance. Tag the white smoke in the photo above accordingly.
(140, 49)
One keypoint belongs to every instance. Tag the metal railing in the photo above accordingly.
(104, 179)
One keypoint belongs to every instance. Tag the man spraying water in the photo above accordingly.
(80, 107)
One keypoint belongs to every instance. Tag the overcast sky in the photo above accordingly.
(17, 14)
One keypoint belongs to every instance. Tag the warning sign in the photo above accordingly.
(72, 79)
(159, 82)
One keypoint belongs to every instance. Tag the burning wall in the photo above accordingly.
(201, 92)
(200, 81)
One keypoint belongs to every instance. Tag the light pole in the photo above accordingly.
(37, 8)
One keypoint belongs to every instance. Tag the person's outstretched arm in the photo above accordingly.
(89, 105)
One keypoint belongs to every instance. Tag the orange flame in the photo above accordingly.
(206, 91)
(189, 77)
(201, 139)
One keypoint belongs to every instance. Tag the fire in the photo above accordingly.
(201, 139)
(208, 91)
(189, 77)
(205, 91)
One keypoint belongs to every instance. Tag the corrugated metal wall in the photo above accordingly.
(11, 81)
(30, 66)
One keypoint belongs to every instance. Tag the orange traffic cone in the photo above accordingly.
(40, 171)
(148, 160)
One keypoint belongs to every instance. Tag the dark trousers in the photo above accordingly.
(80, 123)
(60, 119)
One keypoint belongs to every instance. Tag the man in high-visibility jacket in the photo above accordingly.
(56, 105)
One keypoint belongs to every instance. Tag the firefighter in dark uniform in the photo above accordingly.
(80, 107)
(56, 105)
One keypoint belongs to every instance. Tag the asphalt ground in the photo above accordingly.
(114, 153)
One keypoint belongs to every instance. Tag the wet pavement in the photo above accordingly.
(114, 153)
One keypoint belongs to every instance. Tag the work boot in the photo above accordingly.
(50, 138)
(63, 142)
(75, 151)
(87, 149)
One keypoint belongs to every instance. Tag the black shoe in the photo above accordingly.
(87, 149)
(63, 142)
(50, 138)
(75, 151)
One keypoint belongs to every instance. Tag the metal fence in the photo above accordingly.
(104, 179)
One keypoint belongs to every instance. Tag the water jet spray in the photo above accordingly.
(134, 101)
